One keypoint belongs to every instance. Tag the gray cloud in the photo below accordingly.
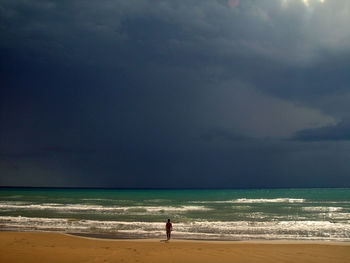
(290, 32)
(221, 134)
(339, 132)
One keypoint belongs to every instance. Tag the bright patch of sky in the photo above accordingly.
(306, 2)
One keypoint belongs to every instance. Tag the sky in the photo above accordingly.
(175, 93)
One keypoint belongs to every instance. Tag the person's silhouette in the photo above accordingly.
(168, 228)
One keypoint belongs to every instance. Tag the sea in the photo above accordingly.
(206, 214)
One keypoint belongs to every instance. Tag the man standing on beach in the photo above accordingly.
(168, 228)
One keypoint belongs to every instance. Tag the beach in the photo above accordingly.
(114, 225)
(59, 247)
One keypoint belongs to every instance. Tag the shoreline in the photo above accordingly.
(255, 241)
(57, 247)
(139, 238)
(222, 241)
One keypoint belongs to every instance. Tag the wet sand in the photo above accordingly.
(57, 247)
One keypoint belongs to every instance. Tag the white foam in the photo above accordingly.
(264, 200)
(241, 207)
(65, 224)
(214, 202)
(13, 203)
(99, 208)
(251, 201)
(321, 209)
(201, 229)
(98, 199)
(341, 216)
(173, 208)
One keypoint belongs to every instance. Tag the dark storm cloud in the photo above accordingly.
(121, 93)
(64, 150)
(221, 134)
(338, 132)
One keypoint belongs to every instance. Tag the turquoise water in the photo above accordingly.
(297, 214)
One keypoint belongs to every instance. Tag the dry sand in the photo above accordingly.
(56, 247)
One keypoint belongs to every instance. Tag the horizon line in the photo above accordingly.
(170, 188)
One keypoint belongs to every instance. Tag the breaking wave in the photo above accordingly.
(232, 230)
(264, 200)
(99, 208)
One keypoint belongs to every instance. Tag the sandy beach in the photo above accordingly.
(56, 247)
